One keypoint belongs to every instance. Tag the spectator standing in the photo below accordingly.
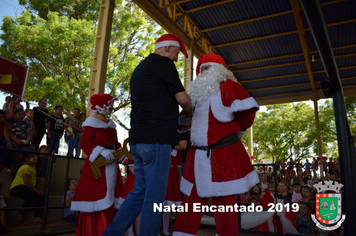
(15, 104)
(55, 129)
(283, 166)
(5, 107)
(315, 164)
(307, 164)
(82, 118)
(298, 165)
(40, 121)
(156, 92)
(291, 163)
(23, 186)
(72, 126)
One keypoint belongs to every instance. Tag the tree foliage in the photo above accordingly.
(289, 130)
(56, 39)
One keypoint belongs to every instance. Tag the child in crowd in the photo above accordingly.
(284, 194)
(305, 225)
(173, 193)
(3, 229)
(29, 116)
(23, 186)
(306, 194)
(41, 167)
(69, 215)
(297, 196)
(55, 128)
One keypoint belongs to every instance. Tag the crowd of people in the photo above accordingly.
(212, 163)
(24, 129)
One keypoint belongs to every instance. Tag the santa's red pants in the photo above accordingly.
(188, 223)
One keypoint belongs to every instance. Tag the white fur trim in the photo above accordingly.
(226, 114)
(95, 153)
(186, 186)
(121, 200)
(96, 123)
(174, 152)
(108, 200)
(200, 123)
(181, 234)
(117, 203)
(207, 188)
(167, 43)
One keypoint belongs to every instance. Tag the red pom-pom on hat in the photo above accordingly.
(209, 59)
(171, 40)
(101, 101)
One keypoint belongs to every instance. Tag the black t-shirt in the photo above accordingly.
(154, 114)
(40, 118)
(56, 123)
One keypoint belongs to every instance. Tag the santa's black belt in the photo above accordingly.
(224, 142)
(110, 146)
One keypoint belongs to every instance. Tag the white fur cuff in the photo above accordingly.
(186, 186)
(95, 153)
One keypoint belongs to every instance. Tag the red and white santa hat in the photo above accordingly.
(171, 40)
(101, 101)
(208, 60)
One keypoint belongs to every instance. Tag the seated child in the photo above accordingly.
(297, 195)
(305, 225)
(69, 215)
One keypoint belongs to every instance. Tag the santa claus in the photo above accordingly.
(217, 164)
(98, 199)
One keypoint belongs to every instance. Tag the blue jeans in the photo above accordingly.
(71, 144)
(53, 142)
(152, 163)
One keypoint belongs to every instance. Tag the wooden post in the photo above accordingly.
(318, 136)
(101, 53)
(188, 66)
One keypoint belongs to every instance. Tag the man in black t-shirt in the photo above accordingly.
(40, 121)
(156, 92)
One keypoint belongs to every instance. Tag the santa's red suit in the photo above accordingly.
(97, 200)
(220, 173)
(129, 184)
(173, 193)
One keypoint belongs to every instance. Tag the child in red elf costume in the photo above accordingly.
(97, 200)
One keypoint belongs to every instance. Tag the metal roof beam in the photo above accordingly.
(291, 85)
(279, 34)
(292, 75)
(288, 64)
(260, 17)
(167, 18)
(286, 56)
(172, 4)
(208, 5)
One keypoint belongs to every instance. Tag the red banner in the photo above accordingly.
(13, 77)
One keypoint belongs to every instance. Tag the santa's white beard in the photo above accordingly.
(208, 83)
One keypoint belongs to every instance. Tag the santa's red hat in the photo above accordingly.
(209, 59)
(171, 40)
(101, 101)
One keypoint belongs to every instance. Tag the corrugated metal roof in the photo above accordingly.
(260, 43)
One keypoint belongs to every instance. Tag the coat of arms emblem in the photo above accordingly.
(328, 206)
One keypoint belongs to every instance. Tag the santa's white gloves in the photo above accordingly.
(184, 123)
(107, 154)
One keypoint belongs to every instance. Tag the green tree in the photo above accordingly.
(282, 131)
(59, 49)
